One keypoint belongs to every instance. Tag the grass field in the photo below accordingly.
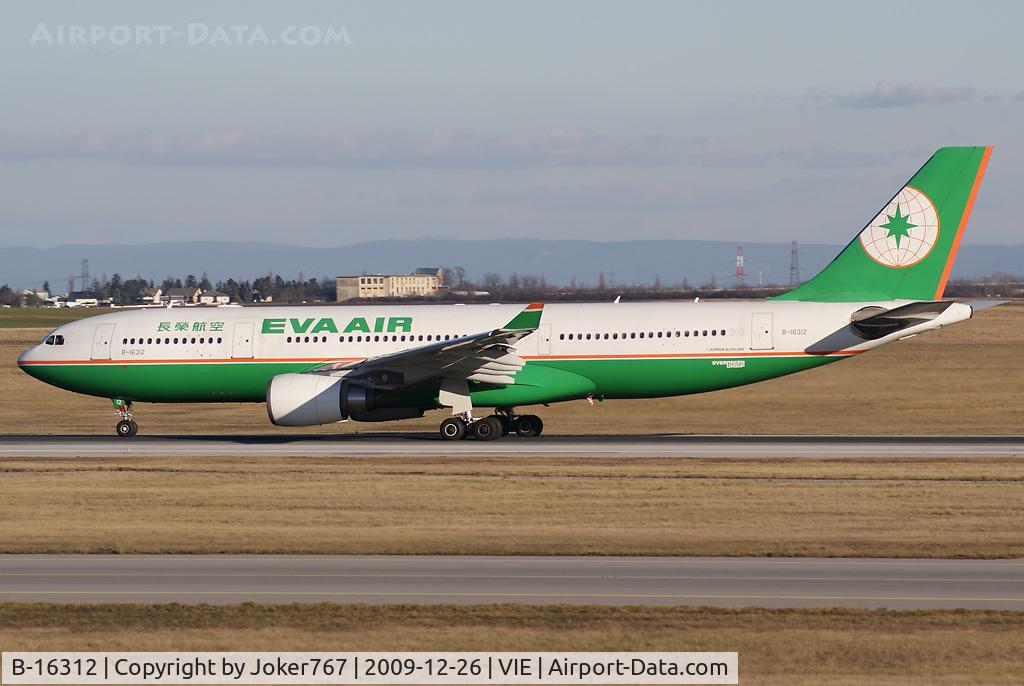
(792, 647)
(44, 317)
(964, 379)
(533, 506)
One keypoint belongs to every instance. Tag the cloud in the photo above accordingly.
(886, 94)
(456, 150)
(809, 157)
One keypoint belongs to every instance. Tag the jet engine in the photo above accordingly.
(309, 399)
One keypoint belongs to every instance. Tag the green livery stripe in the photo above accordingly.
(906, 252)
(544, 379)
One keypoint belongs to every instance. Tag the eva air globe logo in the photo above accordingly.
(904, 232)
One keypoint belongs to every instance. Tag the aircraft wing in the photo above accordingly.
(484, 356)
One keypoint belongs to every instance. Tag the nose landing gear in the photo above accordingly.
(127, 426)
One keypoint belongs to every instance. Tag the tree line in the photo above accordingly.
(491, 287)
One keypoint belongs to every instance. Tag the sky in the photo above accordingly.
(329, 123)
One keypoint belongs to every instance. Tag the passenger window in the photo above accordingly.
(641, 334)
(714, 332)
(705, 332)
(124, 341)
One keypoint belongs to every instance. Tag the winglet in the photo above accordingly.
(529, 318)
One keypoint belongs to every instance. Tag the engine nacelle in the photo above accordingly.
(311, 399)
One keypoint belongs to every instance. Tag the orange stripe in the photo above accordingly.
(196, 360)
(688, 355)
(525, 357)
(963, 223)
(535, 306)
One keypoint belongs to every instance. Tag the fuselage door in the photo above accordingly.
(101, 341)
(761, 331)
(544, 339)
(241, 345)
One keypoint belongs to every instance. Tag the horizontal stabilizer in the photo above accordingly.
(877, 322)
(984, 304)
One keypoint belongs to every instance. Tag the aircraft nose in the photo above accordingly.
(26, 357)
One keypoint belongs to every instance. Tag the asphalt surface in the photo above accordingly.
(769, 582)
(349, 445)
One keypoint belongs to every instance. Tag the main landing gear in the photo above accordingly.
(127, 426)
(501, 423)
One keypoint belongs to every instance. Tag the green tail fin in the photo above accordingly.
(906, 252)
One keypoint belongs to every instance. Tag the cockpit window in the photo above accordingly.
(58, 340)
(49, 339)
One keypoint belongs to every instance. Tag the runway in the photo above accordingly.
(424, 445)
(768, 582)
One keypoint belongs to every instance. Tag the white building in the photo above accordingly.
(425, 281)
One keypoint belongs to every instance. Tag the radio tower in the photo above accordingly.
(794, 264)
(85, 275)
(739, 266)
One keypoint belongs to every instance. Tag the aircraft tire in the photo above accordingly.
(487, 429)
(452, 429)
(528, 426)
(126, 428)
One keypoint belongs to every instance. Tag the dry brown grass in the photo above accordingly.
(798, 646)
(537, 506)
(964, 379)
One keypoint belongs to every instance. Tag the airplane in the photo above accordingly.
(327, 364)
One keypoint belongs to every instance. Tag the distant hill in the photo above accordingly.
(623, 262)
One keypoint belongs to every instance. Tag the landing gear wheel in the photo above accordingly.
(506, 424)
(452, 429)
(127, 428)
(528, 425)
(487, 429)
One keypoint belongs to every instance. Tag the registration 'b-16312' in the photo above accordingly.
(320, 365)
